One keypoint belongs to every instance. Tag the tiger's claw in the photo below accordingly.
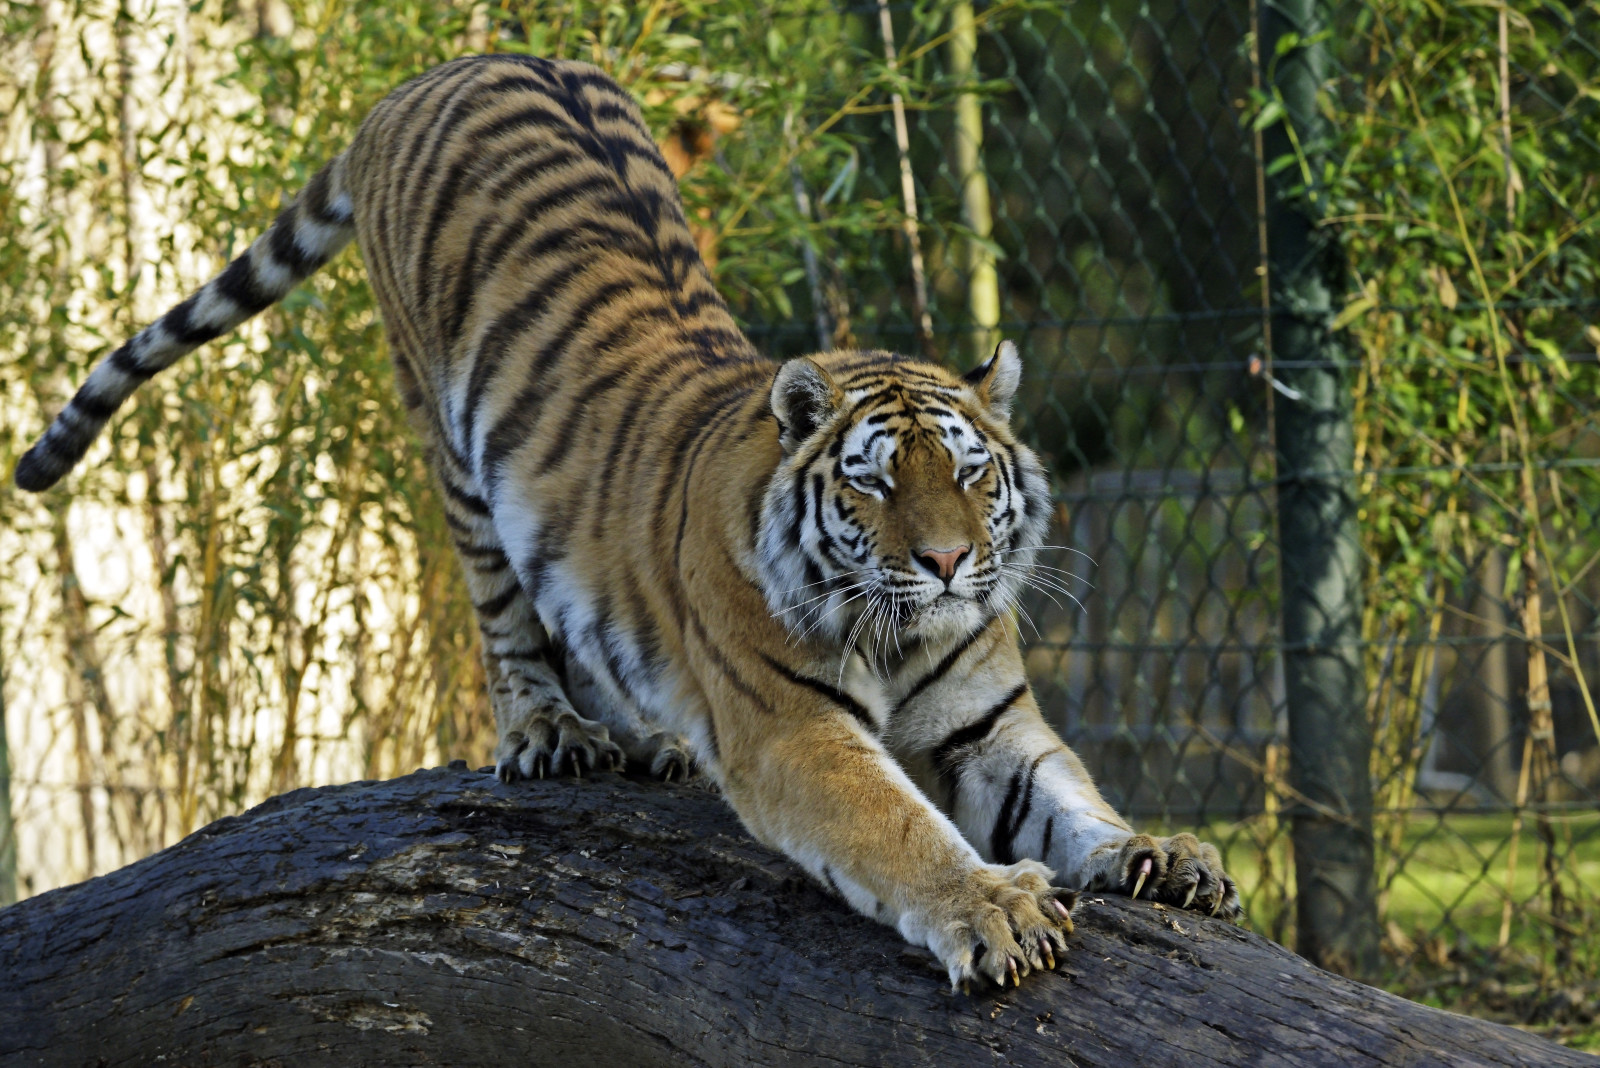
(1144, 873)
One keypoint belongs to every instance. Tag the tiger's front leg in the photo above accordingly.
(810, 779)
(971, 733)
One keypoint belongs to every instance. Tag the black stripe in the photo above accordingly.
(838, 697)
(552, 156)
(470, 501)
(481, 552)
(491, 567)
(538, 65)
(286, 250)
(92, 406)
(698, 436)
(520, 225)
(1001, 834)
(586, 78)
(566, 435)
(825, 542)
(942, 668)
(621, 108)
(313, 200)
(519, 413)
(446, 120)
(646, 639)
(644, 393)
(470, 269)
(717, 399)
(1049, 833)
(520, 654)
(531, 309)
(1012, 817)
(495, 632)
(714, 651)
(946, 757)
(238, 283)
(447, 194)
(531, 116)
(614, 646)
(124, 361)
(177, 322)
(492, 608)
(461, 299)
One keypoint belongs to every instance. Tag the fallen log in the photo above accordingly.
(446, 918)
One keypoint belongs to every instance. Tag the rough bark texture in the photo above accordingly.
(444, 918)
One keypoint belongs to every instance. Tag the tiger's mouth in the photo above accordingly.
(948, 610)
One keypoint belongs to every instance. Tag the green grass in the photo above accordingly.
(1451, 870)
(1442, 896)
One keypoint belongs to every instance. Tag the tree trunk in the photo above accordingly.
(445, 918)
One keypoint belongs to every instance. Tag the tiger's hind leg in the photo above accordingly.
(668, 755)
(540, 731)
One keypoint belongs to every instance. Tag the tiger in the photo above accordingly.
(794, 580)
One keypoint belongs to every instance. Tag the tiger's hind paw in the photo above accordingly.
(552, 741)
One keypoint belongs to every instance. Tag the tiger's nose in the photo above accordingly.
(942, 562)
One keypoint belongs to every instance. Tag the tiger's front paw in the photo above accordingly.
(671, 761)
(1181, 871)
(1001, 923)
(549, 741)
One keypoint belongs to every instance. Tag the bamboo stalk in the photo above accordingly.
(808, 251)
(908, 191)
(983, 281)
(1539, 759)
(79, 671)
(1513, 183)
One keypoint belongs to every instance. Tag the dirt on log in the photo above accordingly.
(446, 919)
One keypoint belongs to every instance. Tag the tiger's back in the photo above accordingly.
(515, 214)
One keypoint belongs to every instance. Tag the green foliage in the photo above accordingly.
(1462, 187)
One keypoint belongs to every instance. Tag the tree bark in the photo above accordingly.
(445, 918)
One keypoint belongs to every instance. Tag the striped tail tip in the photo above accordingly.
(41, 468)
(67, 439)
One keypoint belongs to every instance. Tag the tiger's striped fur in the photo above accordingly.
(797, 578)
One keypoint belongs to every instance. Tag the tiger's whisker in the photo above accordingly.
(1065, 548)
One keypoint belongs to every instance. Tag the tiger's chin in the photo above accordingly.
(946, 618)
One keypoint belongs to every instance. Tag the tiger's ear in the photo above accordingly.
(997, 378)
(803, 397)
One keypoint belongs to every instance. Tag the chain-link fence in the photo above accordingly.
(1133, 157)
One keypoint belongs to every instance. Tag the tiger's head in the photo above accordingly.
(903, 507)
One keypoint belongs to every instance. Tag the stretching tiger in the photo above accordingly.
(795, 577)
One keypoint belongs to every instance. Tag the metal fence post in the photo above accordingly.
(1330, 739)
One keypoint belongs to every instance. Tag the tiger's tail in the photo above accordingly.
(303, 237)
